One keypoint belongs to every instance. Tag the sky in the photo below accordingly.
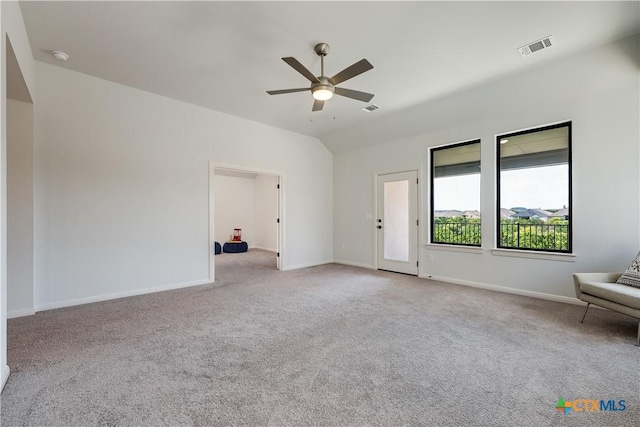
(543, 187)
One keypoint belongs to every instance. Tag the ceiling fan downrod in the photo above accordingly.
(322, 50)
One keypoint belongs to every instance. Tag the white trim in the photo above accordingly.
(263, 249)
(5, 376)
(549, 256)
(454, 248)
(107, 297)
(311, 264)
(21, 313)
(247, 169)
(523, 292)
(281, 238)
(354, 264)
(374, 228)
(212, 237)
(421, 215)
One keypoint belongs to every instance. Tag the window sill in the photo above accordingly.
(549, 256)
(454, 248)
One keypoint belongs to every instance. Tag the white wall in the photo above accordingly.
(12, 26)
(122, 185)
(19, 208)
(234, 207)
(598, 90)
(266, 213)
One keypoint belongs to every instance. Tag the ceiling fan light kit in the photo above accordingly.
(322, 87)
(323, 90)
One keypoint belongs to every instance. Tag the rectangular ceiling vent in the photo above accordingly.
(370, 108)
(536, 46)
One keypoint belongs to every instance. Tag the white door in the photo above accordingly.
(397, 222)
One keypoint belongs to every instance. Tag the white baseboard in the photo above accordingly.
(311, 264)
(523, 292)
(21, 313)
(263, 249)
(354, 264)
(107, 297)
(5, 376)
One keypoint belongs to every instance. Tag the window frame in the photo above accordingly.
(432, 222)
(497, 234)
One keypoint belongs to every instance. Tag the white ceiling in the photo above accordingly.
(225, 55)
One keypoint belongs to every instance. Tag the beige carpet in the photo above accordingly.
(329, 345)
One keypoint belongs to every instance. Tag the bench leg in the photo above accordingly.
(585, 312)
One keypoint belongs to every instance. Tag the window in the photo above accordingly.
(534, 189)
(455, 194)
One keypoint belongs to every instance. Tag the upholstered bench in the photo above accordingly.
(235, 247)
(217, 248)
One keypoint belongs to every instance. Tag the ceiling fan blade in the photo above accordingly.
(281, 91)
(355, 94)
(300, 68)
(317, 105)
(352, 71)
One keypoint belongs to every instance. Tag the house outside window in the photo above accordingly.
(534, 189)
(455, 194)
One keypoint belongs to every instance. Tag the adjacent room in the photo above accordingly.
(431, 213)
(245, 215)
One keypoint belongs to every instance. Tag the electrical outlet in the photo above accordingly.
(344, 247)
(430, 257)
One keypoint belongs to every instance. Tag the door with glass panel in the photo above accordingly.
(397, 222)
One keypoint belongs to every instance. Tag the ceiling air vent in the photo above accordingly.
(370, 108)
(536, 46)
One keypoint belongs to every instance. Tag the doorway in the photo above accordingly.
(397, 222)
(251, 200)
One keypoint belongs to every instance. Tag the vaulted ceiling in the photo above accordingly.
(226, 55)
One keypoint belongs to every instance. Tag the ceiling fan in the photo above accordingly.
(322, 87)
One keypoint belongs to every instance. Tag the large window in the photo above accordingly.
(534, 189)
(455, 194)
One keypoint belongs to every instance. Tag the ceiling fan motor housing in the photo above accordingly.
(322, 90)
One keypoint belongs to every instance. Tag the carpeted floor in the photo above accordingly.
(329, 346)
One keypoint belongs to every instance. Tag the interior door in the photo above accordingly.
(397, 222)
